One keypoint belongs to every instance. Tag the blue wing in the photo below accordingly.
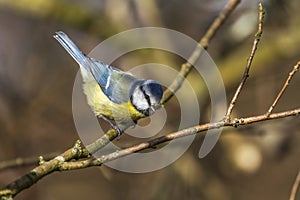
(114, 83)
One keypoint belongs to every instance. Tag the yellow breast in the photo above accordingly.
(102, 105)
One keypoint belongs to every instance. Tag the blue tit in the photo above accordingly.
(111, 93)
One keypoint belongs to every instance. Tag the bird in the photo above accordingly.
(111, 93)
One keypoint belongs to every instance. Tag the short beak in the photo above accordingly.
(153, 108)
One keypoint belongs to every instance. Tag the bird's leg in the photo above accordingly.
(111, 124)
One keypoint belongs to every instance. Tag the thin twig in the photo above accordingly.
(172, 136)
(103, 140)
(295, 187)
(40, 171)
(203, 44)
(287, 82)
(22, 162)
(249, 62)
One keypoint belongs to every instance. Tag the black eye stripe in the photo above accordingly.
(147, 97)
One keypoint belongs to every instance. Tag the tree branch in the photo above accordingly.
(186, 132)
(39, 172)
(20, 162)
(287, 82)
(203, 44)
(171, 136)
(249, 62)
(295, 187)
(64, 161)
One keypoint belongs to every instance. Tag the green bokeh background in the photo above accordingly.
(36, 81)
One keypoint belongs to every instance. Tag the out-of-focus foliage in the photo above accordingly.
(36, 80)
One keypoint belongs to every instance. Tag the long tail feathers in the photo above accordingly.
(92, 69)
(72, 49)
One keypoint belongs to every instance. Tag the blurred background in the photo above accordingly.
(258, 161)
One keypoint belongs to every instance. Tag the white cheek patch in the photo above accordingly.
(139, 100)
